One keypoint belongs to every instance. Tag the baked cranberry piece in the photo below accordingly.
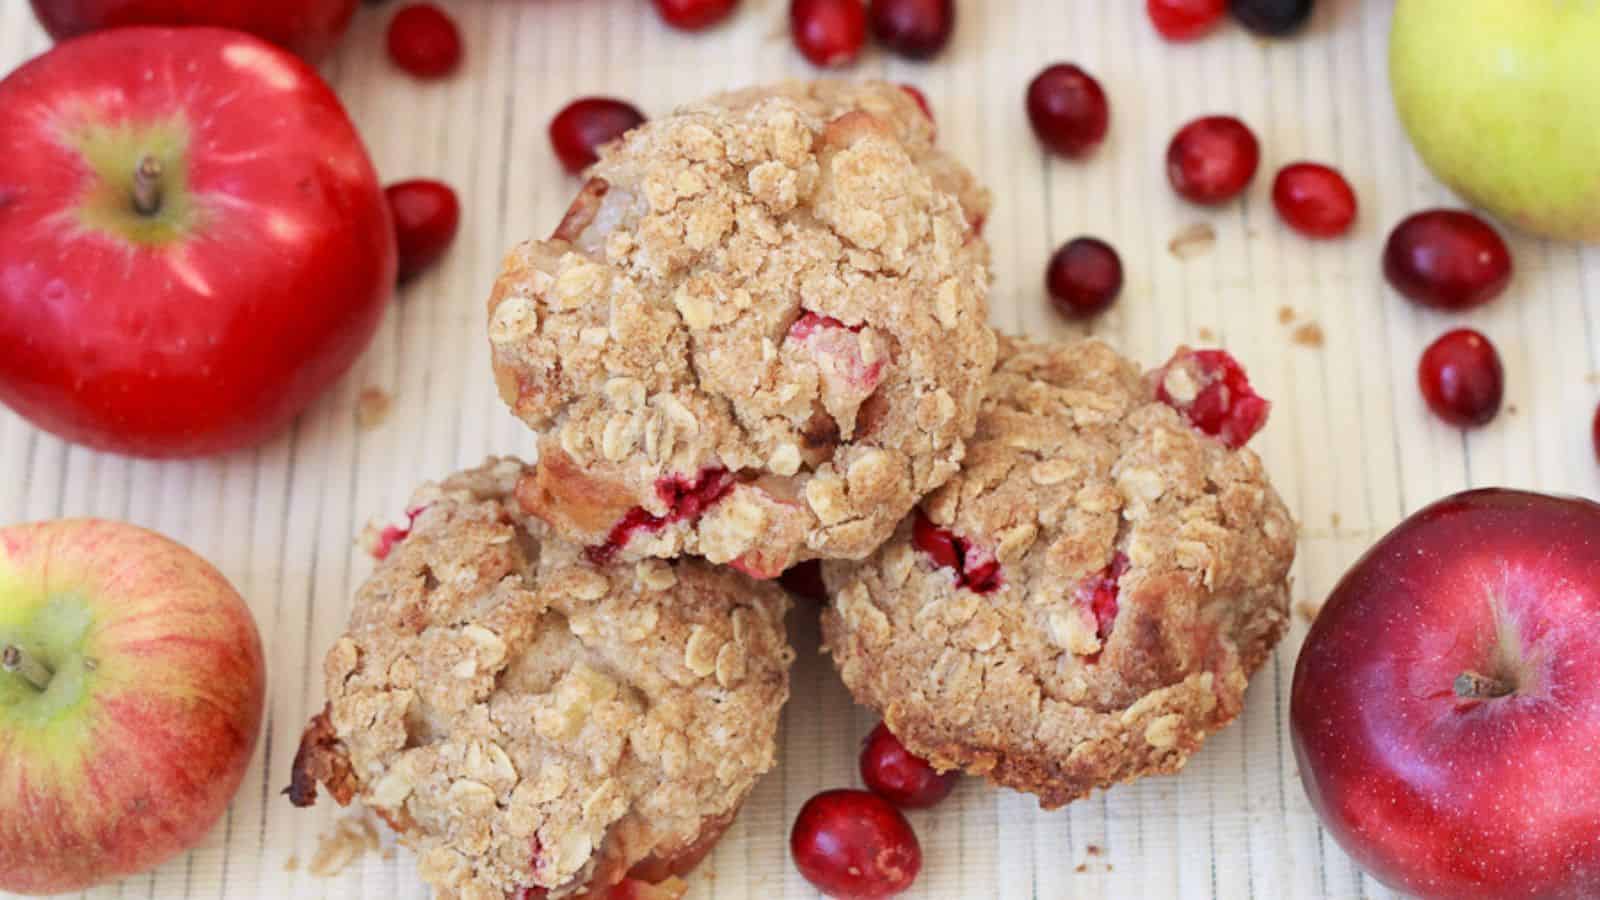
(854, 845)
(1314, 200)
(426, 215)
(922, 101)
(394, 534)
(1068, 110)
(830, 33)
(424, 41)
(1212, 160)
(685, 500)
(1461, 378)
(693, 15)
(1100, 592)
(585, 125)
(1211, 390)
(976, 569)
(893, 773)
(1447, 259)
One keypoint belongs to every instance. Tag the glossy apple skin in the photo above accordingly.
(1434, 794)
(311, 28)
(215, 340)
(137, 757)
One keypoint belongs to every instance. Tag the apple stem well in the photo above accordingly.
(1472, 686)
(15, 659)
(147, 186)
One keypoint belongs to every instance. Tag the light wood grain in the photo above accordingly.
(1350, 445)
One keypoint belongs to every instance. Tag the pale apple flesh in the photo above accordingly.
(1445, 710)
(150, 711)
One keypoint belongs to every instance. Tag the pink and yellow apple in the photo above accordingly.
(131, 691)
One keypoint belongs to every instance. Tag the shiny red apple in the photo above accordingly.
(1445, 710)
(193, 242)
(311, 28)
(131, 692)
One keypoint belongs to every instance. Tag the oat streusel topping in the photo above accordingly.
(529, 720)
(1084, 603)
(759, 334)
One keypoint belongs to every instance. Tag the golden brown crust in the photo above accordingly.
(781, 284)
(528, 719)
(1073, 466)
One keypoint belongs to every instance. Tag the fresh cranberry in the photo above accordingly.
(893, 773)
(426, 214)
(916, 29)
(976, 569)
(1185, 20)
(1100, 593)
(1068, 110)
(1314, 200)
(1214, 394)
(1212, 160)
(804, 580)
(584, 126)
(1461, 378)
(854, 845)
(1274, 18)
(424, 41)
(693, 15)
(830, 33)
(684, 499)
(922, 100)
(1447, 259)
(1084, 277)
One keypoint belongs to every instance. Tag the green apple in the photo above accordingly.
(1502, 99)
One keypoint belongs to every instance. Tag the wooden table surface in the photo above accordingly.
(1350, 445)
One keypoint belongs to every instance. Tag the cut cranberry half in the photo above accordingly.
(1212, 160)
(685, 500)
(1068, 110)
(424, 41)
(830, 33)
(854, 845)
(893, 773)
(915, 29)
(1084, 278)
(1099, 593)
(584, 126)
(1447, 259)
(1185, 20)
(976, 569)
(1461, 378)
(1211, 390)
(394, 534)
(426, 214)
(1314, 200)
(693, 15)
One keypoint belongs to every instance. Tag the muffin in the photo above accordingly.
(757, 337)
(533, 724)
(1086, 600)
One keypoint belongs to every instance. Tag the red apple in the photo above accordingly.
(131, 689)
(193, 243)
(1446, 705)
(311, 28)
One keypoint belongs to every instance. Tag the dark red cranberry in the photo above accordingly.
(853, 845)
(583, 126)
(976, 569)
(1084, 277)
(1212, 160)
(1314, 200)
(916, 29)
(1274, 18)
(922, 100)
(1461, 378)
(893, 773)
(1100, 593)
(1068, 110)
(684, 499)
(424, 41)
(804, 580)
(1212, 391)
(1447, 259)
(1185, 20)
(426, 215)
(693, 15)
(830, 33)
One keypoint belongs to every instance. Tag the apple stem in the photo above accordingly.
(18, 661)
(1472, 686)
(147, 186)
